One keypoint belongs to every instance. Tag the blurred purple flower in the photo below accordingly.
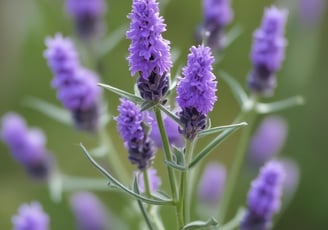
(264, 197)
(89, 212)
(130, 127)
(27, 145)
(31, 217)
(292, 176)
(211, 185)
(268, 51)
(268, 139)
(154, 181)
(196, 90)
(77, 86)
(87, 15)
(311, 12)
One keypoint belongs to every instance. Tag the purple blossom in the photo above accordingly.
(268, 139)
(89, 212)
(31, 217)
(292, 176)
(264, 197)
(212, 184)
(131, 129)
(77, 87)
(87, 15)
(311, 12)
(172, 129)
(27, 145)
(149, 52)
(154, 181)
(268, 51)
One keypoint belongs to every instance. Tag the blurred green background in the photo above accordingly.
(23, 73)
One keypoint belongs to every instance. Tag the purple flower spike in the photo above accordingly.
(130, 127)
(268, 139)
(87, 15)
(149, 51)
(264, 197)
(77, 86)
(154, 181)
(196, 90)
(27, 145)
(90, 214)
(212, 184)
(268, 51)
(31, 217)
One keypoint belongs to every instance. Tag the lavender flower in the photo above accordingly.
(77, 86)
(311, 12)
(268, 139)
(31, 217)
(268, 51)
(136, 140)
(264, 197)
(196, 90)
(27, 145)
(87, 15)
(292, 176)
(217, 14)
(172, 129)
(212, 184)
(154, 181)
(90, 214)
(149, 52)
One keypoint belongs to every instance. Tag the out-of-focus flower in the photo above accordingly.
(268, 51)
(27, 145)
(154, 181)
(136, 140)
(268, 139)
(311, 12)
(89, 212)
(87, 15)
(264, 197)
(31, 217)
(149, 51)
(196, 90)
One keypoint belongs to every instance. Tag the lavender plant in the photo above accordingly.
(169, 113)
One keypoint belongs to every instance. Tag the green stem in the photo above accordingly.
(115, 162)
(146, 183)
(249, 116)
(168, 156)
(145, 215)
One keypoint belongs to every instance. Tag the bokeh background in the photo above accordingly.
(23, 73)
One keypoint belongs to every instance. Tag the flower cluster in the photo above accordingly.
(77, 86)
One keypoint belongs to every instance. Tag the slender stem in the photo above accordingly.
(249, 115)
(72, 183)
(145, 215)
(115, 162)
(168, 156)
(146, 183)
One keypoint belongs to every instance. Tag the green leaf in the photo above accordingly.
(232, 35)
(174, 165)
(179, 156)
(57, 113)
(236, 89)
(235, 222)
(210, 224)
(175, 54)
(122, 93)
(264, 108)
(212, 145)
(217, 129)
(121, 186)
(147, 105)
(170, 114)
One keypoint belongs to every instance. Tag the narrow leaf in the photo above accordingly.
(170, 114)
(147, 105)
(174, 166)
(235, 222)
(122, 93)
(217, 129)
(113, 40)
(210, 224)
(232, 35)
(179, 157)
(265, 108)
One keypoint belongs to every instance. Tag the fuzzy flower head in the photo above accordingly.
(149, 52)
(198, 86)
(89, 212)
(31, 217)
(27, 145)
(154, 181)
(217, 12)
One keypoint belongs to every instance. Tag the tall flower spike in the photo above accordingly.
(268, 139)
(31, 217)
(77, 86)
(196, 90)
(268, 51)
(136, 140)
(264, 197)
(89, 212)
(217, 14)
(149, 51)
(27, 146)
(87, 15)
(154, 181)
